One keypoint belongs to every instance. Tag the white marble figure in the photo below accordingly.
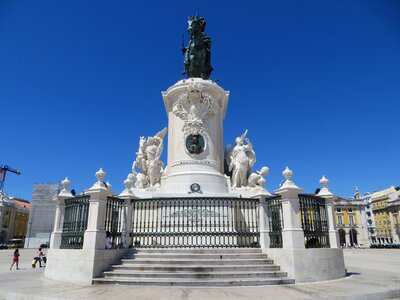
(148, 160)
(242, 160)
(256, 179)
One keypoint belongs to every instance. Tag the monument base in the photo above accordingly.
(309, 265)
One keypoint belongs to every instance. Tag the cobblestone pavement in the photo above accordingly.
(373, 274)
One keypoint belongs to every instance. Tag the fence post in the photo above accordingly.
(95, 233)
(55, 239)
(264, 223)
(330, 211)
(292, 232)
(127, 195)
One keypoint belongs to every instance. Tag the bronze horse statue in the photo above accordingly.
(197, 54)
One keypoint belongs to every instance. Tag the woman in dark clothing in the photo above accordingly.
(15, 259)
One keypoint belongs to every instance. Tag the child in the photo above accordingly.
(15, 259)
(108, 241)
(41, 256)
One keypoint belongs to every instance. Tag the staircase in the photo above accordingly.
(195, 267)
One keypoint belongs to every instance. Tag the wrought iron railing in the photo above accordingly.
(275, 217)
(314, 221)
(75, 222)
(115, 219)
(195, 222)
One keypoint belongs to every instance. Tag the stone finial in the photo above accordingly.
(288, 183)
(324, 181)
(64, 192)
(65, 183)
(287, 173)
(99, 184)
(100, 174)
(324, 191)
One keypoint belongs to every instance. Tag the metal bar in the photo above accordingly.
(220, 222)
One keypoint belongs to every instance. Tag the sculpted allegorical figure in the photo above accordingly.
(256, 179)
(153, 164)
(242, 160)
(148, 160)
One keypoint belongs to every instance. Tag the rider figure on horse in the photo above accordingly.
(197, 54)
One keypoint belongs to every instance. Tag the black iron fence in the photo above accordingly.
(195, 222)
(275, 217)
(75, 222)
(314, 221)
(115, 219)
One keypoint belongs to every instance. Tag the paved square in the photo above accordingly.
(374, 274)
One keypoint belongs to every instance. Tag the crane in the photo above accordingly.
(4, 169)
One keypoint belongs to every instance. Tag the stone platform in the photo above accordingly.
(195, 268)
(372, 274)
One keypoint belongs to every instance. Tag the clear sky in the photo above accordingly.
(316, 83)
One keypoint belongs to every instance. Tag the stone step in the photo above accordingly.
(197, 268)
(193, 275)
(193, 282)
(195, 256)
(166, 261)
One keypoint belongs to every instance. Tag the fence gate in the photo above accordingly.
(275, 217)
(114, 222)
(314, 221)
(75, 222)
(195, 222)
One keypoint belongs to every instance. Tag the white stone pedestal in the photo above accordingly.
(195, 107)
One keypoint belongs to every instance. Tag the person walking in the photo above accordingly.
(15, 259)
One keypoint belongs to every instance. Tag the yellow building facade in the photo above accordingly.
(380, 209)
(385, 207)
(14, 216)
(351, 222)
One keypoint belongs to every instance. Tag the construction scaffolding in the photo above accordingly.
(41, 218)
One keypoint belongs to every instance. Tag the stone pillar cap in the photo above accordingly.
(324, 192)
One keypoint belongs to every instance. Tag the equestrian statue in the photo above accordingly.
(197, 54)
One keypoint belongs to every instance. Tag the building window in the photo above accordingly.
(338, 210)
(340, 220)
(351, 219)
(350, 210)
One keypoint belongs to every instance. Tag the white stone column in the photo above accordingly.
(55, 238)
(95, 233)
(264, 223)
(195, 107)
(292, 232)
(127, 195)
(330, 212)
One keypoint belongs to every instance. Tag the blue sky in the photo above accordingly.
(316, 83)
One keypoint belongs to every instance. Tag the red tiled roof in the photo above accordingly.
(22, 203)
